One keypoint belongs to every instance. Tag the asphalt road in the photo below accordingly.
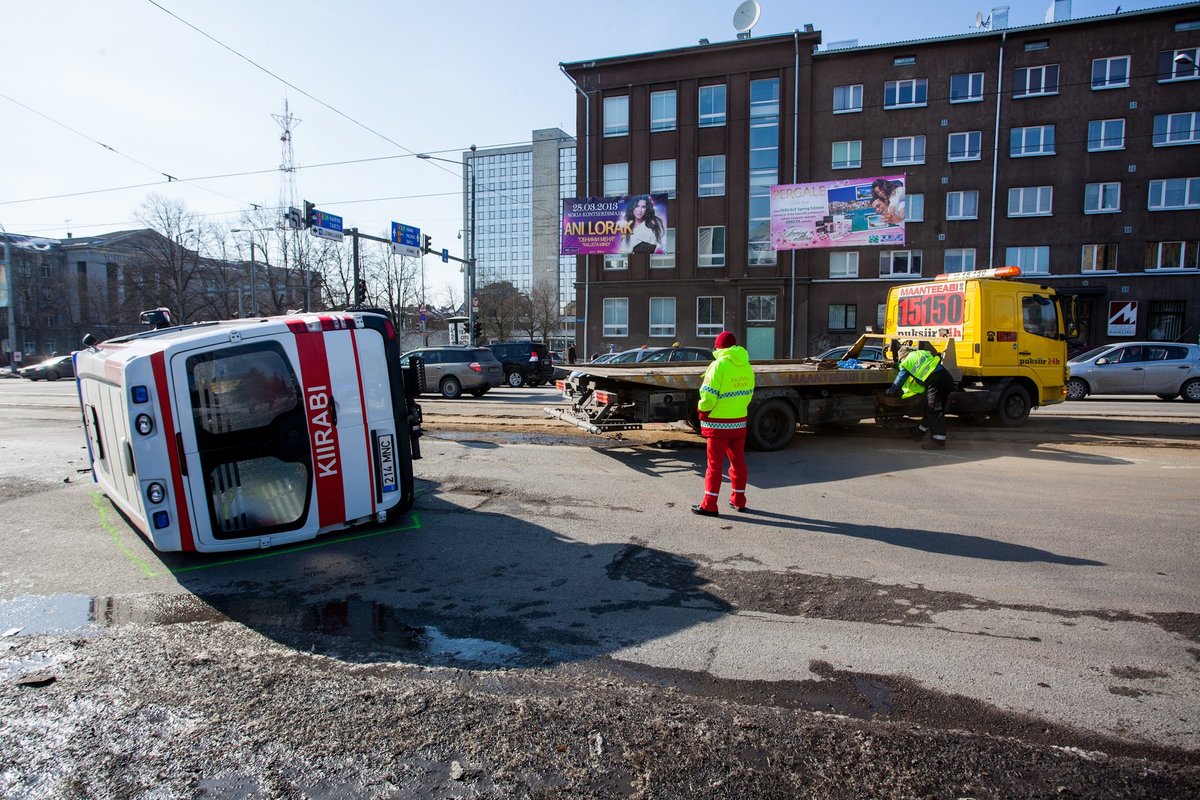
(1038, 583)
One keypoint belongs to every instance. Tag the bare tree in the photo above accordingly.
(501, 308)
(166, 272)
(545, 315)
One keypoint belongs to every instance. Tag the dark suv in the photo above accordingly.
(525, 362)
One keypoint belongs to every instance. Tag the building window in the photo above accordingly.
(966, 87)
(1165, 324)
(965, 146)
(616, 316)
(1102, 198)
(662, 111)
(1035, 81)
(847, 99)
(712, 176)
(1037, 140)
(843, 265)
(616, 116)
(662, 316)
(1037, 44)
(843, 317)
(616, 180)
(1172, 194)
(710, 316)
(904, 150)
(1175, 129)
(1098, 258)
(1032, 260)
(915, 208)
(1106, 134)
(613, 262)
(899, 262)
(710, 246)
(1030, 201)
(961, 259)
(662, 177)
(1171, 255)
(905, 94)
(761, 307)
(847, 155)
(666, 260)
(1179, 65)
(712, 106)
(962, 205)
(764, 169)
(1110, 73)
(904, 61)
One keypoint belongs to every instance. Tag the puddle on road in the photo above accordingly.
(362, 622)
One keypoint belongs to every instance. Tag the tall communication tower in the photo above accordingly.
(288, 196)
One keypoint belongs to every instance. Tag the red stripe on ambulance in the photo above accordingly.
(159, 365)
(322, 432)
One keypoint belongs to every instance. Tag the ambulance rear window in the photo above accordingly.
(241, 390)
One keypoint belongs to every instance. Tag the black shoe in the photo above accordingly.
(739, 509)
(704, 512)
(936, 444)
(916, 434)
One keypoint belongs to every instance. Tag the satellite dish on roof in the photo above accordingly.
(746, 16)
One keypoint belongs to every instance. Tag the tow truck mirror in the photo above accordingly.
(1072, 330)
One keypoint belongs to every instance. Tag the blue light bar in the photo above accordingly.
(140, 394)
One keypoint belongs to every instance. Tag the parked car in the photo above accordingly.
(868, 353)
(657, 355)
(51, 369)
(525, 362)
(1165, 369)
(454, 370)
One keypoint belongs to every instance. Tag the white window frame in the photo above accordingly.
(843, 264)
(1096, 145)
(711, 119)
(1159, 190)
(663, 121)
(615, 329)
(914, 208)
(1179, 69)
(710, 330)
(958, 259)
(1033, 260)
(665, 260)
(1184, 248)
(1169, 138)
(615, 261)
(1102, 197)
(916, 155)
(1042, 201)
(765, 302)
(973, 95)
(616, 179)
(711, 189)
(957, 205)
(852, 94)
(611, 106)
(974, 146)
(849, 317)
(662, 329)
(659, 174)
(1041, 71)
(1107, 82)
(1087, 264)
(914, 87)
(1042, 137)
(706, 254)
(912, 260)
(853, 154)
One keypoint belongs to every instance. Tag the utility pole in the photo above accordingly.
(358, 292)
(11, 301)
(471, 299)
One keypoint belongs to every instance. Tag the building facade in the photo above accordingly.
(1069, 148)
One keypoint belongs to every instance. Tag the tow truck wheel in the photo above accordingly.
(772, 425)
(516, 380)
(1014, 406)
(1076, 389)
(450, 387)
(1191, 391)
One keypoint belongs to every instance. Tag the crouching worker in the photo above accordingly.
(724, 397)
(921, 372)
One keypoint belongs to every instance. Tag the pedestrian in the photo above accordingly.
(724, 397)
(612, 348)
(571, 353)
(921, 372)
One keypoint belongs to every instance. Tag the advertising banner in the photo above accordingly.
(842, 213)
(928, 310)
(610, 225)
(1122, 317)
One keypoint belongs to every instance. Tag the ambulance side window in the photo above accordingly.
(93, 429)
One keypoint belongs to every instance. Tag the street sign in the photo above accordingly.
(326, 226)
(445, 256)
(406, 240)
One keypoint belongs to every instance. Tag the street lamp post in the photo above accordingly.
(470, 260)
(12, 301)
(253, 267)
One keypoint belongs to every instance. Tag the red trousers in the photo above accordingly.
(720, 447)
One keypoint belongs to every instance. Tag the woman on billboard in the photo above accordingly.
(645, 229)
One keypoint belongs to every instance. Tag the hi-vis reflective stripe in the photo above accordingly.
(721, 395)
(708, 423)
(159, 365)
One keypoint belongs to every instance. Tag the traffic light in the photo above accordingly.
(360, 292)
(478, 331)
(308, 213)
(428, 248)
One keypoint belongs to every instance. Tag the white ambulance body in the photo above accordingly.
(250, 433)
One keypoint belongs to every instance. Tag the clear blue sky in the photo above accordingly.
(433, 76)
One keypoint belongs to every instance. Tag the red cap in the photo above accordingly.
(724, 339)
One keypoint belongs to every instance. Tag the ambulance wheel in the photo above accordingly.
(450, 387)
(1076, 389)
(1014, 406)
(516, 380)
(772, 425)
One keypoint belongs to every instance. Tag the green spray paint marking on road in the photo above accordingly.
(115, 534)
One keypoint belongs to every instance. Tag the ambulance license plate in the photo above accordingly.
(387, 462)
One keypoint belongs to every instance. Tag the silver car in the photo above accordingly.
(1165, 369)
(454, 370)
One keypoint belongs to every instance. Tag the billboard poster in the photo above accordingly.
(612, 225)
(843, 213)
(926, 310)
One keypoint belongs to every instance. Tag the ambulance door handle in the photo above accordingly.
(127, 455)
